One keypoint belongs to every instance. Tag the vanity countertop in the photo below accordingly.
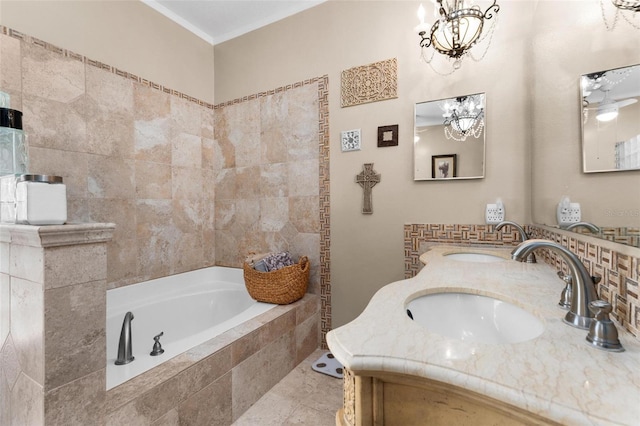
(556, 375)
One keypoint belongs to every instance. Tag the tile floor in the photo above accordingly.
(303, 397)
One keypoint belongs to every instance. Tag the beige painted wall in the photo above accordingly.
(561, 54)
(125, 34)
(367, 250)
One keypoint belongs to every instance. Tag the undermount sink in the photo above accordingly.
(474, 318)
(474, 257)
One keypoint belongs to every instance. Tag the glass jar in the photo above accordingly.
(13, 149)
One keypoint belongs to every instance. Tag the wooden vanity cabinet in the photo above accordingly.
(377, 398)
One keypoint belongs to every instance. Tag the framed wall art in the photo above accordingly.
(444, 166)
(388, 136)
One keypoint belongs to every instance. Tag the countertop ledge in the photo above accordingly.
(556, 375)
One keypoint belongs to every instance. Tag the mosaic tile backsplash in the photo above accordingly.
(619, 271)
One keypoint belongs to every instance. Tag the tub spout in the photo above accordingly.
(583, 286)
(125, 355)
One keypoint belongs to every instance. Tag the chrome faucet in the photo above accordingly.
(590, 226)
(125, 351)
(583, 291)
(531, 258)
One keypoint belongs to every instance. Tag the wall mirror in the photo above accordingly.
(611, 120)
(449, 138)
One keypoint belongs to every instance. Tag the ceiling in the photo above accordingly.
(220, 20)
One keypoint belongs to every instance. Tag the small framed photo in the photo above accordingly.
(444, 166)
(350, 140)
(388, 136)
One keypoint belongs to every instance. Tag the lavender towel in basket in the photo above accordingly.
(277, 261)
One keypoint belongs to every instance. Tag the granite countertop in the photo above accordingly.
(556, 375)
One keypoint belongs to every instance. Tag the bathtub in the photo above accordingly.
(189, 308)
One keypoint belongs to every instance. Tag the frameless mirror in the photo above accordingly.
(449, 138)
(611, 120)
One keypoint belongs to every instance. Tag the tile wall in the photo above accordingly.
(272, 179)
(130, 152)
(619, 271)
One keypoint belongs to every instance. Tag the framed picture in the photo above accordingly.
(350, 140)
(388, 136)
(444, 166)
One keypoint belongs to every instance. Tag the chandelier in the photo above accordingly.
(625, 8)
(633, 5)
(463, 117)
(457, 29)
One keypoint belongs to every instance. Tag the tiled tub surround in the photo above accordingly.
(556, 376)
(145, 157)
(272, 179)
(52, 358)
(53, 287)
(618, 265)
(217, 381)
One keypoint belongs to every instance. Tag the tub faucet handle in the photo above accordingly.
(157, 347)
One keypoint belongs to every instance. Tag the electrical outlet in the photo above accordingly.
(494, 213)
(568, 213)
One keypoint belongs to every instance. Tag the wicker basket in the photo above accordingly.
(283, 286)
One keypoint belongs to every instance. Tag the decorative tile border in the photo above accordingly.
(369, 83)
(324, 195)
(69, 54)
(418, 238)
(619, 272)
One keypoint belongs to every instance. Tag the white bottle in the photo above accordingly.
(41, 200)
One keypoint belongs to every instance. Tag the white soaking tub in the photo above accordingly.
(189, 308)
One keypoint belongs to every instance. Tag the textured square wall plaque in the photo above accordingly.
(369, 83)
(350, 140)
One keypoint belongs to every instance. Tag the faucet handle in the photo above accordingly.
(157, 347)
(603, 333)
(565, 296)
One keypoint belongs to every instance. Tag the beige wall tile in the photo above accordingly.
(303, 178)
(53, 124)
(170, 419)
(111, 92)
(304, 213)
(187, 253)
(307, 337)
(186, 116)
(110, 134)
(150, 104)
(274, 180)
(111, 177)
(75, 334)
(187, 215)
(27, 263)
(5, 307)
(27, 402)
(80, 402)
(153, 217)
(153, 180)
(72, 166)
(211, 406)
(208, 153)
(206, 129)
(71, 265)
(10, 69)
(186, 183)
(248, 182)
(226, 185)
(186, 150)
(274, 214)
(154, 257)
(51, 76)
(254, 376)
(152, 139)
(5, 258)
(5, 400)
(120, 212)
(122, 261)
(27, 322)
(9, 363)
(205, 372)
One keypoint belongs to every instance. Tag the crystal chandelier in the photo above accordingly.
(463, 117)
(625, 8)
(457, 29)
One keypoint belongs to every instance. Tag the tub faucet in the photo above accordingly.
(590, 226)
(531, 258)
(583, 286)
(125, 355)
